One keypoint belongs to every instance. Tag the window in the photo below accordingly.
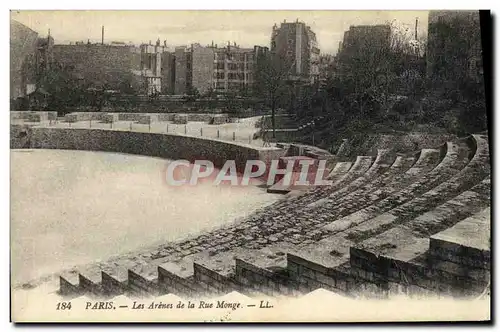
(220, 65)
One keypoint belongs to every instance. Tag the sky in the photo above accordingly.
(246, 28)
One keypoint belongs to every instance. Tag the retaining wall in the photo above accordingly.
(169, 146)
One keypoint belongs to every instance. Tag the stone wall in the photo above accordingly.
(33, 116)
(149, 144)
(398, 143)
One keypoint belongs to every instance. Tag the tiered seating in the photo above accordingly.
(393, 224)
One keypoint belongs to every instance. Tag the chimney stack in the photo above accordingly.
(416, 28)
(102, 35)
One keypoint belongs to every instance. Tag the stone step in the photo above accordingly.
(216, 272)
(172, 278)
(407, 203)
(90, 284)
(266, 271)
(143, 285)
(366, 197)
(339, 169)
(316, 266)
(69, 286)
(452, 211)
(114, 282)
(397, 256)
(467, 243)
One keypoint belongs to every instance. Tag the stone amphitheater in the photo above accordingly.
(391, 223)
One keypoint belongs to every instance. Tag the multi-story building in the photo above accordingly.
(325, 65)
(151, 66)
(362, 45)
(168, 73)
(183, 70)
(454, 45)
(362, 37)
(99, 65)
(23, 53)
(202, 67)
(295, 45)
(221, 69)
(314, 58)
(234, 68)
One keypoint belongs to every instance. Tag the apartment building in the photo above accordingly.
(151, 66)
(454, 45)
(183, 70)
(233, 68)
(221, 69)
(23, 50)
(295, 45)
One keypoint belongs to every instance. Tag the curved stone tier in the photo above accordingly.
(388, 224)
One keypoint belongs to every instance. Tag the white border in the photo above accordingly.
(199, 4)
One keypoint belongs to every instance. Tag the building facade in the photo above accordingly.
(362, 46)
(454, 45)
(212, 68)
(99, 65)
(202, 68)
(168, 73)
(23, 54)
(183, 70)
(234, 69)
(151, 67)
(295, 45)
(362, 37)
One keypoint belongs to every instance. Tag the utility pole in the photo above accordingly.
(102, 35)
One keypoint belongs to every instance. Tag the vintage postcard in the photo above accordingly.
(249, 166)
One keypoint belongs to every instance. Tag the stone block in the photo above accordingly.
(141, 285)
(110, 117)
(180, 119)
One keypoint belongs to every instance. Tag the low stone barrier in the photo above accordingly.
(33, 116)
(180, 119)
(84, 116)
(169, 146)
(219, 119)
(109, 118)
(148, 118)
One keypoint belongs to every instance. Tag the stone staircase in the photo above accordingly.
(389, 224)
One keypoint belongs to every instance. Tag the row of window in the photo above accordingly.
(233, 66)
(236, 57)
(233, 76)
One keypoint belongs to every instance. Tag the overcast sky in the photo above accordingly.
(246, 28)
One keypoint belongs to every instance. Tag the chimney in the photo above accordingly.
(102, 35)
(416, 28)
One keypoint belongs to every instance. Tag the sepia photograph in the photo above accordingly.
(250, 166)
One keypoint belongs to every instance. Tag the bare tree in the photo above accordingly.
(271, 74)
